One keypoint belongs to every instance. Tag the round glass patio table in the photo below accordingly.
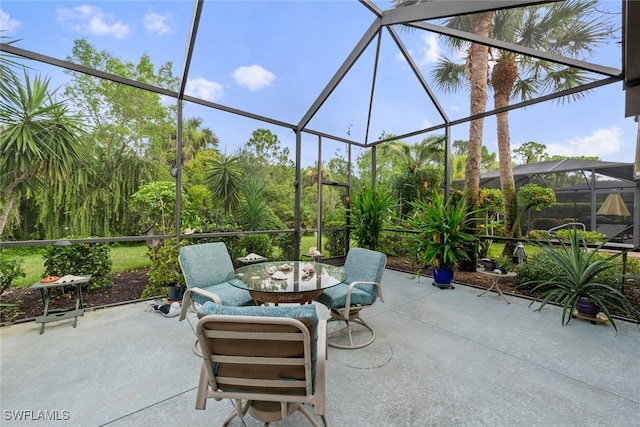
(287, 281)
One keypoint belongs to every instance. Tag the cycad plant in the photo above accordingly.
(577, 272)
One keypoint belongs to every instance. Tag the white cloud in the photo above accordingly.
(428, 51)
(204, 89)
(604, 143)
(156, 23)
(7, 23)
(253, 77)
(91, 19)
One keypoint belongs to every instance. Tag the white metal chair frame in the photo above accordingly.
(352, 314)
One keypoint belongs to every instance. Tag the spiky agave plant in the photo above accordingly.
(575, 272)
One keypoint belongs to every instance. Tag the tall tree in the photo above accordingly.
(125, 127)
(474, 74)
(566, 28)
(40, 139)
(195, 139)
(531, 152)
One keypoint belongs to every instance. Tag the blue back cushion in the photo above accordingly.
(205, 264)
(364, 265)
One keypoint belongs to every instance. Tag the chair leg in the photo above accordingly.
(311, 419)
(239, 411)
(351, 345)
(196, 348)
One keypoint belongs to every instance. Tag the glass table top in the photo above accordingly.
(287, 277)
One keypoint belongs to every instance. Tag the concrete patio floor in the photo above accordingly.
(442, 357)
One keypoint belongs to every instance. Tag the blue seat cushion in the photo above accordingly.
(305, 313)
(230, 295)
(336, 296)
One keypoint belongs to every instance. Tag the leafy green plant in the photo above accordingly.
(286, 244)
(10, 269)
(370, 209)
(446, 231)
(573, 272)
(165, 269)
(80, 259)
(258, 244)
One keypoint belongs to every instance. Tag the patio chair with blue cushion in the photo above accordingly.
(363, 268)
(269, 359)
(205, 268)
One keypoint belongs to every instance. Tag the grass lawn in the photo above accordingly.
(123, 258)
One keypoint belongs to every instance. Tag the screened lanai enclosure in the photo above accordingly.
(319, 124)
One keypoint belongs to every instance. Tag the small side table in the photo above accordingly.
(55, 315)
(495, 278)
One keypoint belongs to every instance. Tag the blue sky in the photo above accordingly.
(274, 58)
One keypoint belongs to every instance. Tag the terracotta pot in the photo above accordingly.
(587, 308)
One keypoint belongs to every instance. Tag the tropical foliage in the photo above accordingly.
(447, 232)
(40, 139)
(573, 271)
(371, 209)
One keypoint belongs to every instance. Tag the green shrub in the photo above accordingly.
(80, 259)
(258, 244)
(538, 235)
(10, 269)
(336, 242)
(285, 242)
(165, 269)
(395, 243)
(588, 236)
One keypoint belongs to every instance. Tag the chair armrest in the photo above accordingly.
(354, 284)
(186, 300)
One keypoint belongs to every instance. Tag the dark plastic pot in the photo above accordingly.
(176, 293)
(587, 308)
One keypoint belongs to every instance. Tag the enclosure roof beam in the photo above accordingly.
(342, 71)
(519, 49)
(447, 8)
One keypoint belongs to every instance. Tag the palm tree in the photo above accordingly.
(225, 181)
(195, 138)
(40, 140)
(474, 72)
(564, 28)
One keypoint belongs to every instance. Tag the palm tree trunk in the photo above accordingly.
(478, 74)
(5, 214)
(503, 77)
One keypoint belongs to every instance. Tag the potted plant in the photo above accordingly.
(446, 234)
(165, 275)
(582, 282)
